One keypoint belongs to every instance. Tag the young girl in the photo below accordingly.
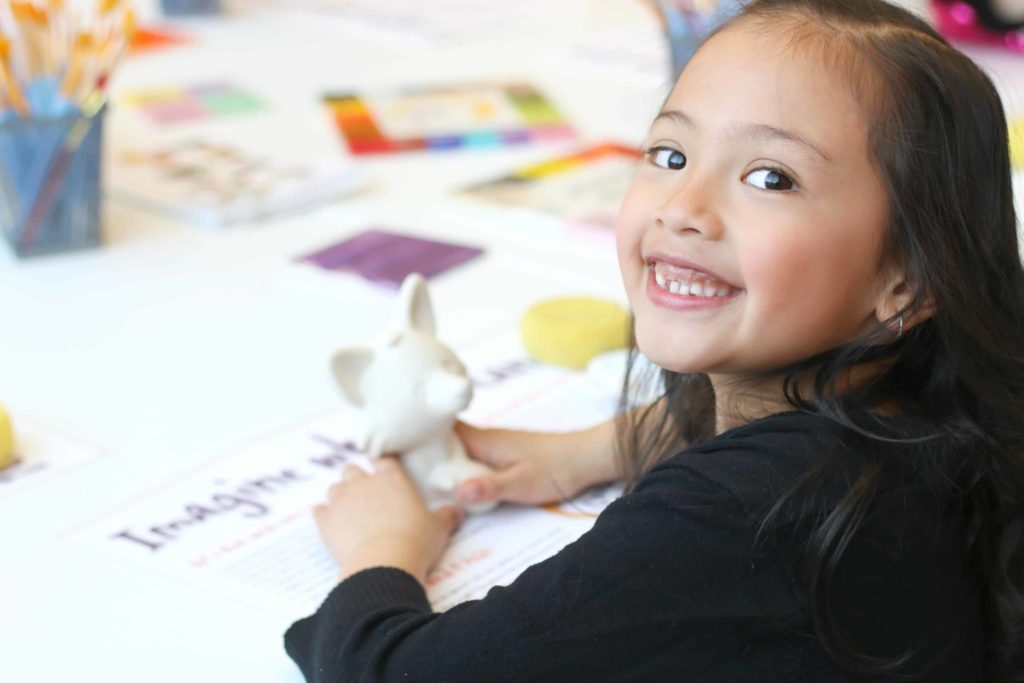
(820, 251)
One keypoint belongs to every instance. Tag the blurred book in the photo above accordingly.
(218, 183)
(582, 188)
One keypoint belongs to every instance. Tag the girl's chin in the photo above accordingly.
(669, 358)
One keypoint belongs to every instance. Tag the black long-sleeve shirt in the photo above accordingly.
(673, 583)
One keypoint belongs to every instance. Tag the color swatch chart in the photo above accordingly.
(586, 187)
(446, 117)
(173, 105)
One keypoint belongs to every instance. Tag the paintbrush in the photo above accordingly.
(55, 173)
(13, 89)
(33, 23)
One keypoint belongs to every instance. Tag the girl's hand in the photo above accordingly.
(380, 520)
(537, 467)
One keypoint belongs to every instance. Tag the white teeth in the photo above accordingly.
(699, 288)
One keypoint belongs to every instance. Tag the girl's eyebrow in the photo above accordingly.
(752, 131)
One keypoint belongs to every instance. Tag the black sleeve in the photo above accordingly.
(666, 586)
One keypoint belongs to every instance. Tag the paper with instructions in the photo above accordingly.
(242, 525)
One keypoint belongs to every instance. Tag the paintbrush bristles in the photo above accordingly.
(71, 86)
(12, 89)
(60, 53)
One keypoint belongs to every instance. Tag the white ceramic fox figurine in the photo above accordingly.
(407, 392)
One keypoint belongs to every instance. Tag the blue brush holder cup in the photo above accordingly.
(50, 183)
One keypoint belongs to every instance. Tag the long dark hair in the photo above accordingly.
(939, 143)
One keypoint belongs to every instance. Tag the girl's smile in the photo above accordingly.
(751, 235)
(683, 286)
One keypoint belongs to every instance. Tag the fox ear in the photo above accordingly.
(414, 303)
(348, 366)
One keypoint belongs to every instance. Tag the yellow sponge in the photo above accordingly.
(569, 331)
(6, 439)
(1016, 133)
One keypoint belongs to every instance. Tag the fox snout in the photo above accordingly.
(446, 392)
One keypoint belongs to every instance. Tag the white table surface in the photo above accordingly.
(172, 345)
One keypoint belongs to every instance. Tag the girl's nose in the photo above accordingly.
(691, 207)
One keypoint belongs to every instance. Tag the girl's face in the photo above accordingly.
(751, 235)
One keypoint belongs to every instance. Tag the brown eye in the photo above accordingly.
(770, 179)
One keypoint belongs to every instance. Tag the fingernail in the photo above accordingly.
(470, 491)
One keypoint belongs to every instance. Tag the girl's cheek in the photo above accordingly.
(781, 269)
(628, 231)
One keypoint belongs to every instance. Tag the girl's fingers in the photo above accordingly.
(472, 439)
(386, 464)
(476, 490)
(482, 444)
(351, 473)
(500, 485)
(451, 517)
(348, 475)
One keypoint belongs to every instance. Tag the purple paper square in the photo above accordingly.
(388, 257)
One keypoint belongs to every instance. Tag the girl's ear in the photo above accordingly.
(414, 305)
(895, 300)
(348, 366)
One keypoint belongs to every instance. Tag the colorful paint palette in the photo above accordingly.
(586, 187)
(445, 118)
(173, 105)
(387, 257)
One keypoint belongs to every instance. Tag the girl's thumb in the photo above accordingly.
(479, 490)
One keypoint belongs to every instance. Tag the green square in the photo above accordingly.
(223, 102)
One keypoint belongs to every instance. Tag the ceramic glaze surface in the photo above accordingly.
(407, 391)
